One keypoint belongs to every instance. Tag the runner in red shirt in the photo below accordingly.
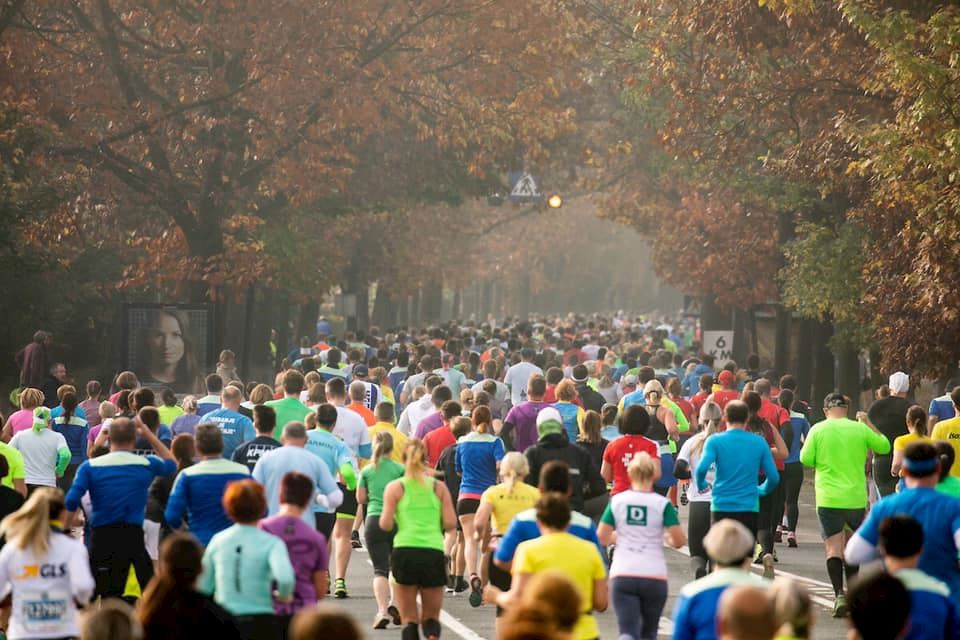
(617, 456)
(700, 398)
(727, 391)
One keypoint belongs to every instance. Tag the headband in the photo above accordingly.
(920, 467)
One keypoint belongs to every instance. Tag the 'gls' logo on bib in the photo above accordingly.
(637, 515)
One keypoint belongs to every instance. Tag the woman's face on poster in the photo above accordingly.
(166, 341)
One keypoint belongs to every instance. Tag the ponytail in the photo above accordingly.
(514, 467)
(69, 403)
(415, 459)
(180, 566)
(382, 446)
(30, 525)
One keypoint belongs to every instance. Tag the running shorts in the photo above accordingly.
(413, 567)
(325, 522)
(467, 506)
(833, 521)
(379, 545)
(348, 508)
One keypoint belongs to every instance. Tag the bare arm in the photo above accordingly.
(675, 536)
(606, 534)
(897, 463)
(361, 494)
(391, 496)
(607, 472)
(481, 520)
(21, 486)
(669, 421)
(601, 597)
(779, 449)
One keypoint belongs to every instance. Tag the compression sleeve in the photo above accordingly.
(859, 551)
(63, 459)
(349, 475)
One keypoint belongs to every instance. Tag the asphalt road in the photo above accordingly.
(460, 620)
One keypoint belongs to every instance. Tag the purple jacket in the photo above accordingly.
(523, 417)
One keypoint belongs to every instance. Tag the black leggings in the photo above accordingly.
(766, 517)
(379, 546)
(792, 480)
(114, 548)
(698, 524)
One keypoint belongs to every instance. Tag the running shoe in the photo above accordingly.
(340, 589)
(355, 540)
(758, 559)
(791, 539)
(461, 585)
(768, 571)
(394, 614)
(381, 621)
(778, 535)
(683, 495)
(840, 606)
(476, 591)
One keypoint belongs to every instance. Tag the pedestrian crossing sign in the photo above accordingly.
(524, 188)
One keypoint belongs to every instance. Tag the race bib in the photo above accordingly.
(44, 611)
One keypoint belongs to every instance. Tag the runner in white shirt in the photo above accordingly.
(519, 374)
(44, 569)
(698, 522)
(419, 409)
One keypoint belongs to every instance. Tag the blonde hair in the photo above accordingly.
(514, 467)
(311, 379)
(792, 607)
(382, 446)
(261, 394)
(711, 417)
(415, 459)
(651, 387)
(31, 398)
(113, 620)
(107, 410)
(310, 420)
(590, 428)
(566, 390)
(642, 468)
(30, 525)
(189, 404)
(225, 355)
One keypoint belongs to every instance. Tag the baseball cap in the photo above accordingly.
(834, 400)
(899, 382)
(360, 371)
(630, 380)
(549, 421)
(725, 377)
(728, 542)
(548, 413)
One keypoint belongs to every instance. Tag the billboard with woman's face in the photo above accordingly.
(169, 345)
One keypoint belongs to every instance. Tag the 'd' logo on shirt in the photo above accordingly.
(637, 515)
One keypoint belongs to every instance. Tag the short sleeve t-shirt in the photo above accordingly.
(902, 442)
(476, 461)
(949, 431)
(375, 478)
(352, 429)
(640, 519)
(21, 420)
(40, 451)
(693, 459)
(517, 377)
(889, 416)
(287, 410)
(307, 549)
(837, 448)
(620, 452)
(508, 503)
(578, 560)
(437, 442)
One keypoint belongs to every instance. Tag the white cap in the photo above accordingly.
(548, 413)
(899, 382)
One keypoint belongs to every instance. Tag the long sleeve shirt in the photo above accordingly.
(198, 490)
(738, 457)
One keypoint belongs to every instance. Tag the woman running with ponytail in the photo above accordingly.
(478, 455)
(698, 521)
(766, 516)
(373, 481)
(420, 509)
(502, 502)
(44, 606)
(171, 607)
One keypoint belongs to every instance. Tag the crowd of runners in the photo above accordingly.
(536, 468)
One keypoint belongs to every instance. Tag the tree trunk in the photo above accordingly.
(456, 308)
(486, 300)
(848, 374)
(384, 308)
(431, 298)
(781, 351)
(823, 362)
(307, 321)
(416, 309)
(805, 358)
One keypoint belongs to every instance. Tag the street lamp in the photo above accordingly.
(555, 201)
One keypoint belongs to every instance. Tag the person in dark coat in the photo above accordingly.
(585, 480)
(32, 360)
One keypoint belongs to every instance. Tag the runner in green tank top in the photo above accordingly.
(422, 510)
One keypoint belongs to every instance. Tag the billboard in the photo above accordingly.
(169, 345)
